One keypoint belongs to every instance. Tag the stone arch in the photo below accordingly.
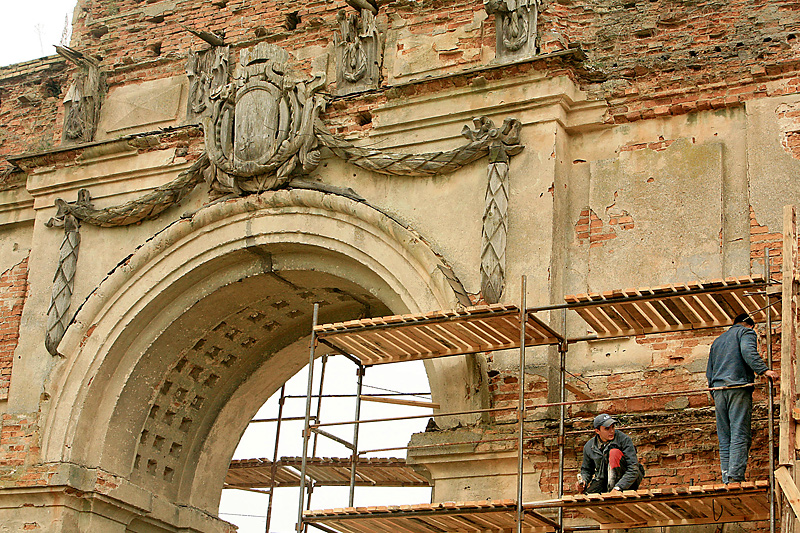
(172, 354)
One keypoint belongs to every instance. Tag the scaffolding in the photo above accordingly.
(384, 340)
(481, 329)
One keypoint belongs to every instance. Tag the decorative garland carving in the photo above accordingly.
(426, 164)
(262, 131)
(146, 207)
(60, 300)
(504, 142)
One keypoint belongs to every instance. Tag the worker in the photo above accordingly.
(609, 460)
(733, 360)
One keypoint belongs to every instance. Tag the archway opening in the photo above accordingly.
(248, 506)
(172, 356)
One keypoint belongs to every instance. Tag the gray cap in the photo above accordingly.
(603, 420)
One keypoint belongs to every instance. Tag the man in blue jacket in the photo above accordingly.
(734, 360)
(609, 460)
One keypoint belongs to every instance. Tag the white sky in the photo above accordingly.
(259, 441)
(30, 28)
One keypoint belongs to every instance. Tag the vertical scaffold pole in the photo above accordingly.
(788, 392)
(562, 350)
(523, 319)
(771, 398)
(316, 418)
(786, 442)
(361, 369)
(306, 429)
(318, 413)
(274, 467)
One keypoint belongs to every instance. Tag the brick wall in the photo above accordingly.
(650, 58)
(647, 58)
(19, 447)
(662, 57)
(30, 108)
(13, 292)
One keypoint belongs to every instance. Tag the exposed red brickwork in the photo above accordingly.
(659, 145)
(30, 107)
(663, 58)
(13, 293)
(789, 121)
(504, 388)
(760, 239)
(649, 59)
(591, 228)
(675, 435)
(20, 452)
(673, 348)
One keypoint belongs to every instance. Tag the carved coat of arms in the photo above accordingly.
(261, 124)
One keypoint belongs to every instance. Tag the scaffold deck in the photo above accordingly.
(324, 471)
(706, 504)
(696, 305)
(482, 516)
(399, 338)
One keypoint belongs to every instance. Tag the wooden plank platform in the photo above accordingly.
(325, 471)
(696, 305)
(482, 516)
(707, 504)
(398, 338)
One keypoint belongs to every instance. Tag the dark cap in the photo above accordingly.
(603, 420)
(744, 318)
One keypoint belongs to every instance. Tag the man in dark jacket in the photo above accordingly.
(609, 460)
(733, 360)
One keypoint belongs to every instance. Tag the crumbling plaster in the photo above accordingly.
(704, 181)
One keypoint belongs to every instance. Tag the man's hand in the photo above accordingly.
(579, 486)
(772, 374)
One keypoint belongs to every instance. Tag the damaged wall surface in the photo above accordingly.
(250, 158)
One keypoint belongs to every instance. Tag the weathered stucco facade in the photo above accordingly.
(660, 144)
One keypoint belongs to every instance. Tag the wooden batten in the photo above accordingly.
(706, 504)
(487, 516)
(438, 334)
(324, 471)
(696, 305)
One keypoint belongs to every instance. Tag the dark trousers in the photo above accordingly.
(734, 408)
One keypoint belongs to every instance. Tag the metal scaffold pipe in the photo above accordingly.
(306, 428)
(770, 397)
(521, 406)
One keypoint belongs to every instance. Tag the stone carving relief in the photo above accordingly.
(83, 98)
(208, 72)
(504, 143)
(263, 132)
(261, 125)
(515, 26)
(57, 313)
(357, 52)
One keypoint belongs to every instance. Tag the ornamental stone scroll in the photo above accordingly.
(83, 99)
(263, 103)
(515, 27)
(358, 54)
